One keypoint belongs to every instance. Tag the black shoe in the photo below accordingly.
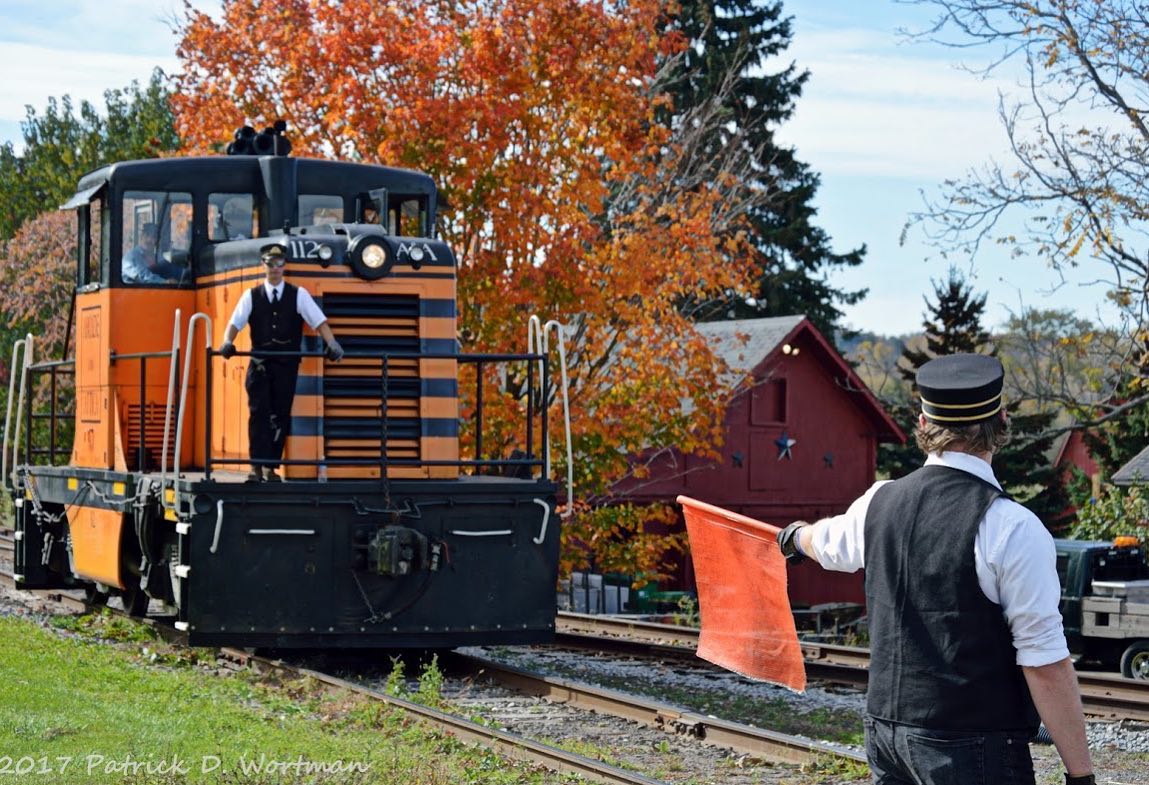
(272, 476)
(255, 475)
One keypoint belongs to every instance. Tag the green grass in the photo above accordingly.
(75, 708)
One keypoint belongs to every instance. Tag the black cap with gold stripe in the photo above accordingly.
(961, 389)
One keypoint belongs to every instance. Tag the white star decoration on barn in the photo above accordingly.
(784, 443)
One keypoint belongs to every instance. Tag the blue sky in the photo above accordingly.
(881, 119)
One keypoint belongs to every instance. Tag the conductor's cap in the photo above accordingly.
(271, 253)
(961, 389)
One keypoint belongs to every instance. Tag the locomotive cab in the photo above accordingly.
(394, 526)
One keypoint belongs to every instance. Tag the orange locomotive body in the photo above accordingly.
(381, 533)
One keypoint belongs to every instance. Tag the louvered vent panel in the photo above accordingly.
(353, 389)
(153, 436)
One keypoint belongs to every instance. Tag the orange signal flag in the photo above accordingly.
(747, 625)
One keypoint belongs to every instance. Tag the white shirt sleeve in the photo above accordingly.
(242, 312)
(306, 307)
(1017, 568)
(839, 542)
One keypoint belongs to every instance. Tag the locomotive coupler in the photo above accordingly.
(398, 550)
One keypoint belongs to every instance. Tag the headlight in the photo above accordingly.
(374, 256)
(325, 253)
(370, 257)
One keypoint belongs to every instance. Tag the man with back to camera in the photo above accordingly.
(966, 640)
(276, 311)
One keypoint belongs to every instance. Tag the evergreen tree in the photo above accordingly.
(738, 37)
(61, 144)
(952, 324)
(1023, 467)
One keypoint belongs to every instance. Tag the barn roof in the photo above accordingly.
(1136, 472)
(746, 344)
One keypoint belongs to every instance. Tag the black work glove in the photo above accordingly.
(227, 351)
(1085, 779)
(788, 542)
(334, 351)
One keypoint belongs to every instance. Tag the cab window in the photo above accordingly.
(231, 217)
(93, 251)
(407, 217)
(156, 238)
(320, 209)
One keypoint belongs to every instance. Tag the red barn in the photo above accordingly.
(801, 442)
(1074, 453)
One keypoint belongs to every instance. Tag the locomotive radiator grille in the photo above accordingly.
(353, 408)
(154, 414)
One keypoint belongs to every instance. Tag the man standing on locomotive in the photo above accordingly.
(276, 311)
(967, 648)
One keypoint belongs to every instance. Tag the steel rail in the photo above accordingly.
(1116, 697)
(825, 662)
(763, 744)
(1102, 695)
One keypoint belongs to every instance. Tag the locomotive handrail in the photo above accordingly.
(171, 397)
(25, 344)
(540, 332)
(196, 317)
(143, 357)
(478, 359)
(50, 364)
(53, 368)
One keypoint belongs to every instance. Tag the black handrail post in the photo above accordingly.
(68, 329)
(543, 407)
(530, 409)
(479, 416)
(28, 388)
(207, 414)
(141, 450)
(52, 419)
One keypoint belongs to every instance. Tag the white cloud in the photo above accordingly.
(82, 48)
(32, 73)
(874, 107)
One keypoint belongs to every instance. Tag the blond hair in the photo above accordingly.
(988, 436)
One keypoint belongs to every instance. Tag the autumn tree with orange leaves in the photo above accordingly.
(563, 194)
(37, 272)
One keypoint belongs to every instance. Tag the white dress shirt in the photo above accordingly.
(305, 306)
(1014, 557)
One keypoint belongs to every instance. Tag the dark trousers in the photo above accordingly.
(270, 391)
(908, 755)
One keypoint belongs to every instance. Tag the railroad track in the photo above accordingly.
(745, 739)
(1102, 695)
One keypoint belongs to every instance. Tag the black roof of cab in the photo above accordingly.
(159, 173)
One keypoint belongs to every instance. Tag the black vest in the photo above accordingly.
(278, 326)
(941, 654)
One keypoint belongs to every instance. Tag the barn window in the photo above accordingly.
(768, 402)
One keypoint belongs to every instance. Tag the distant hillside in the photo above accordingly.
(849, 346)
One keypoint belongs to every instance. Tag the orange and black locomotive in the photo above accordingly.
(390, 528)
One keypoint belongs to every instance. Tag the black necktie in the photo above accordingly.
(274, 296)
